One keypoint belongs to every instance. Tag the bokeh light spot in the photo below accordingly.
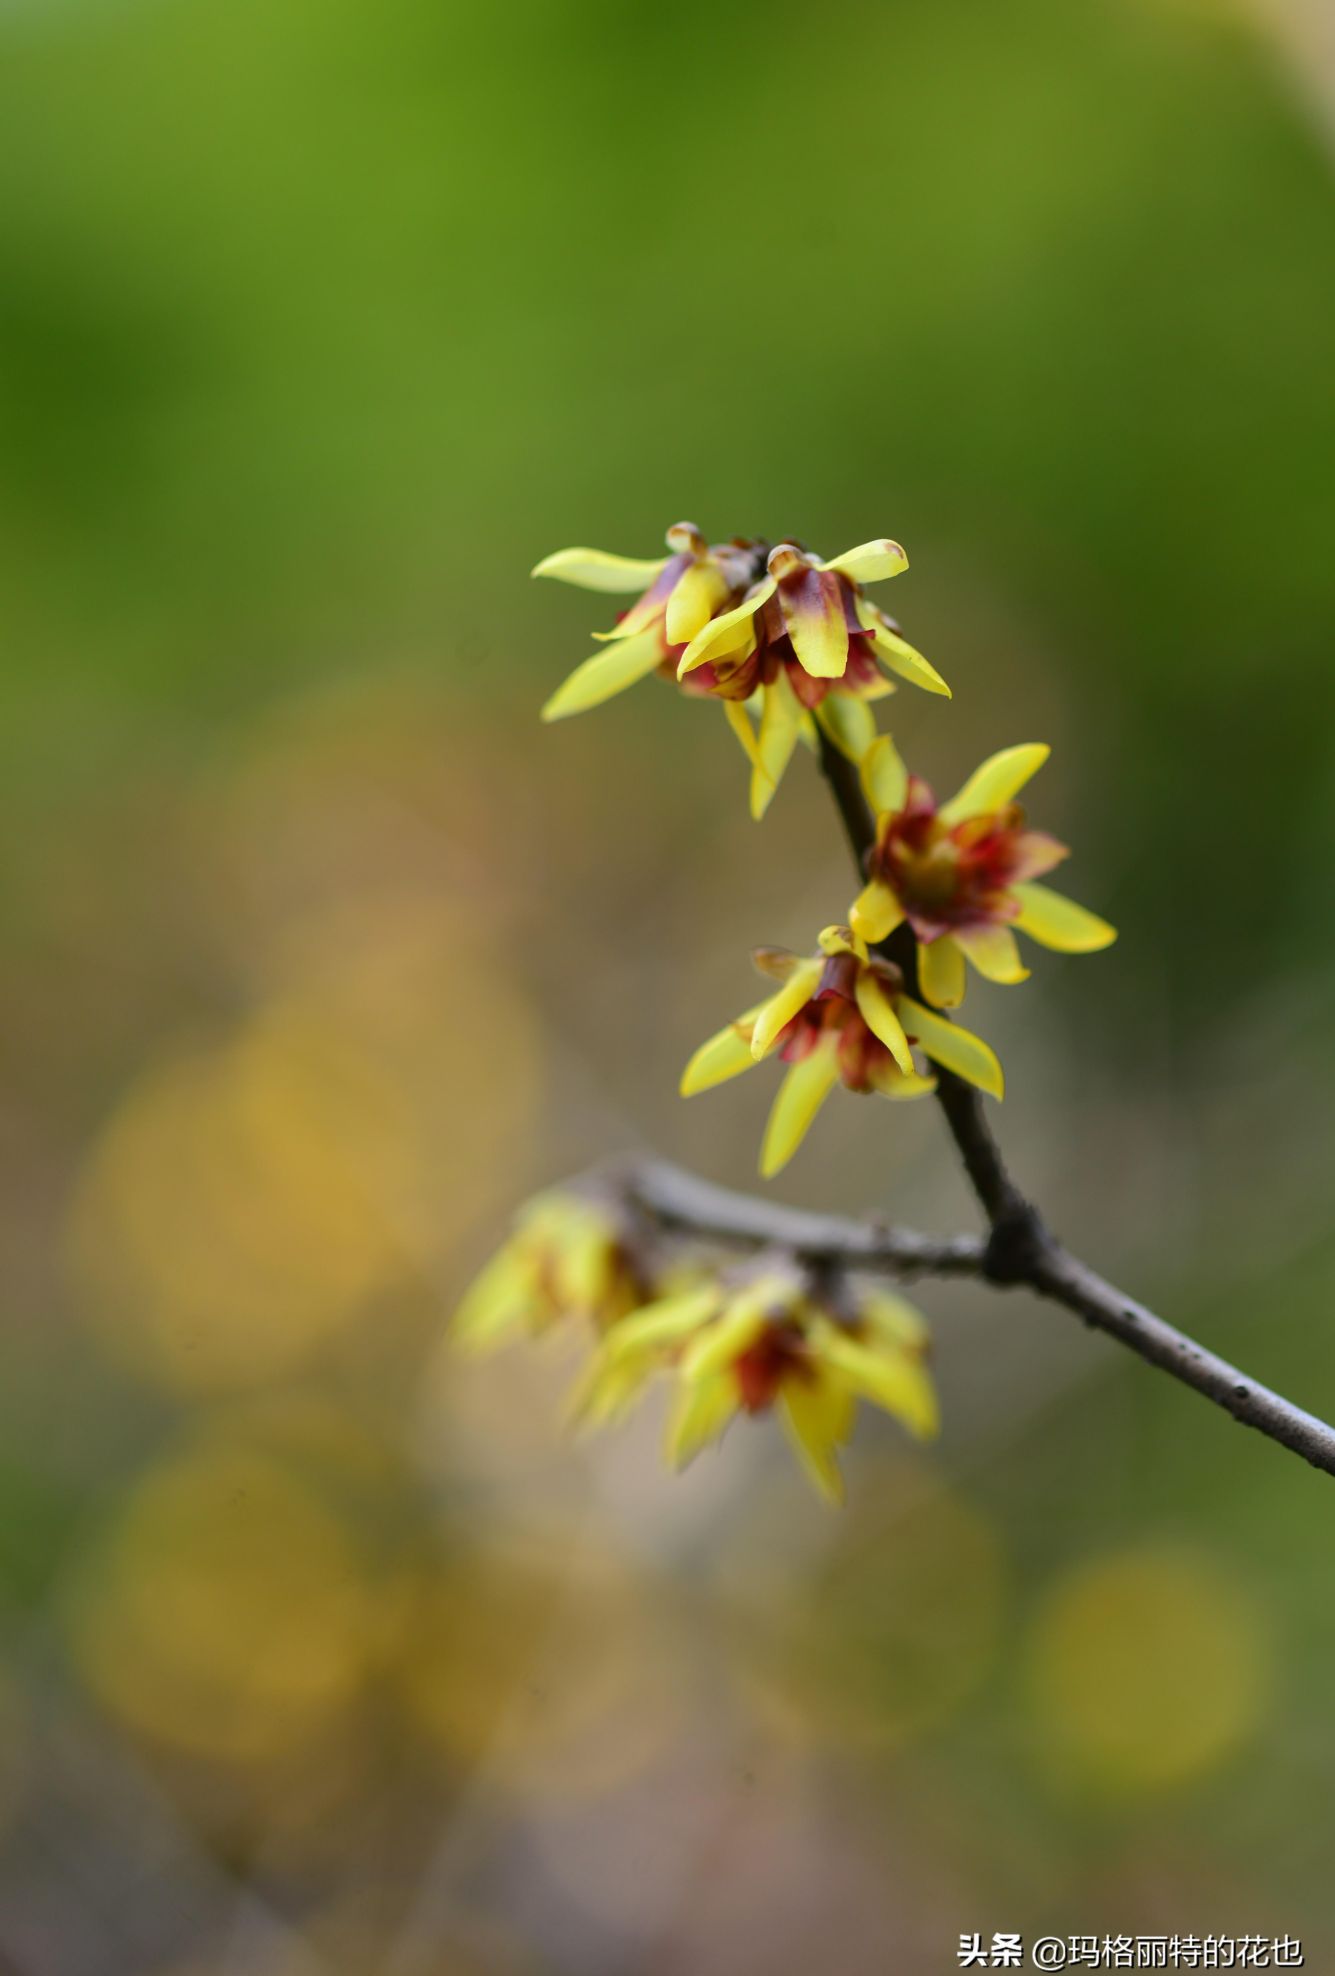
(231, 1216)
(226, 1612)
(1148, 1668)
(898, 1628)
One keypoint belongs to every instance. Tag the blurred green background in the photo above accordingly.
(319, 323)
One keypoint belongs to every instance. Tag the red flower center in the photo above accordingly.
(780, 1352)
(948, 876)
(833, 1012)
(735, 678)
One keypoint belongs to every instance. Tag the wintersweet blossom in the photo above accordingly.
(675, 597)
(769, 1338)
(962, 873)
(805, 641)
(568, 1258)
(777, 636)
(840, 1016)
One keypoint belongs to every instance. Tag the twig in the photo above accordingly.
(682, 1201)
(1059, 1275)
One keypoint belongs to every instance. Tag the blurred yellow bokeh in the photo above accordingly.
(233, 1214)
(248, 1200)
(566, 1682)
(1148, 1668)
(897, 1630)
(226, 1612)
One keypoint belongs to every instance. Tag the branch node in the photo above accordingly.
(1016, 1245)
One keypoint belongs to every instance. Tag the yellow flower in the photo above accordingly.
(961, 873)
(805, 641)
(777, 636)
(568, 1258)
(819, 608)
(841, 1016)
(678, 595)
(769, 1338)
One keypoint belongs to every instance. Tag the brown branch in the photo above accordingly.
(1060, 1276)
(1020, 1250)
(683, 1202)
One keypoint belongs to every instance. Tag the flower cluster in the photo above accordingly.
(776, 636)
(769, 1335)
(792, 648)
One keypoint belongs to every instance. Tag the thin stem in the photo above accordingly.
(683, 1202)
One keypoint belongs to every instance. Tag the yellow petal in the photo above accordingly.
(813, 615)
(885, 780)
(696, 595)
(725, 1055)
(894, 1319)
(891, 1082)
(497, 1298)
(993, 951)
(731, 632)
(605, 674)
(795, 993)
(941, 972)
(720, 1344)
(849, 723)
(878, 1012)
(956, 1048)
(841, 940)
(594, 569)
(1058, 922)
(801, 1095)
(995, 781)
(906, 660)
(700, 1411)
(870, 562)
(780, 722)
(605, 1392)
(584, 1269)
(657, 1327)
(818, 1416)
(897, 1381)
(739, 721)
(876, 912)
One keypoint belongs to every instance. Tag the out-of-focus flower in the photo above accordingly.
(772, 633)
(961, 873)
(841, 1016)
(569, 1257)
(771, 1337)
